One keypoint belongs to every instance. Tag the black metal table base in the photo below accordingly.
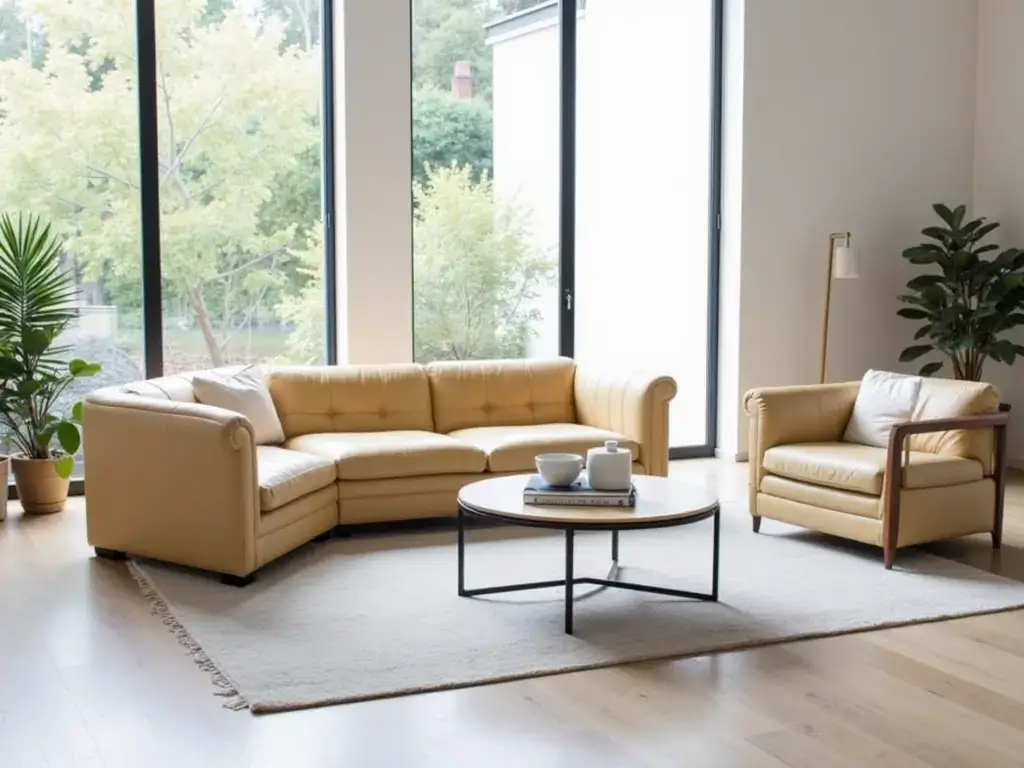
(571, 580)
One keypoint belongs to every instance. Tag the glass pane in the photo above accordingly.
(642, 206)
(485, 180)
(69, 152)
(239, 87)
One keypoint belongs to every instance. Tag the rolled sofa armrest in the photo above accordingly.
(634, 404)
(171, 480)
(814, 413)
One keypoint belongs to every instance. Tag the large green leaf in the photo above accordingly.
(958, 216)
(80, 368)
(69, 437)
(944, 213)
(65, 465)
(937, 233)
(929, 369)
(912, 353)
(923, 281)
(913, 314)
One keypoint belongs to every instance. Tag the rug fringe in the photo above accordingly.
(160, 609)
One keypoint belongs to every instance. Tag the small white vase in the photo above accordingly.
(609, 468)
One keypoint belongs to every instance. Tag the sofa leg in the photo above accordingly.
(110, 554)
(756, 519)
(230, 580)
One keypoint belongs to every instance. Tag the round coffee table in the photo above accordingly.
(661, 502)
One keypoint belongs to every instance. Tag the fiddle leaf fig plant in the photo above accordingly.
(37, 305)
(970, 302)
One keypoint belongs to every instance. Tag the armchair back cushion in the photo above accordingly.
(884, 400)
(365, 398)
(502, 393)
(946, 398)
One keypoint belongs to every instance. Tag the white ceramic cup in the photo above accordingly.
(559, 469)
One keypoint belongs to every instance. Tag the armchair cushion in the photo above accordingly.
(883, 400)
(861, 468)
(512, 449)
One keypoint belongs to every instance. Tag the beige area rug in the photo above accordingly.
(370, 617)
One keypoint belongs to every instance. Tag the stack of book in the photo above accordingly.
(539, 493)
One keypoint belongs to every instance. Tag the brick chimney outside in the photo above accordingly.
(462, 80)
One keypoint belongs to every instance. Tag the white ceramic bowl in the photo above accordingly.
(559, 468)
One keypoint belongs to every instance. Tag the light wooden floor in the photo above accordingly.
(89, 678)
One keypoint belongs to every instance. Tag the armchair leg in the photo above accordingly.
(997, 537)
(756, 520)
(889, 556)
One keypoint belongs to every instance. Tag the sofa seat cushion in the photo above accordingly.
(512, 449)
(861, 468)
(285, 475)
(378, 455)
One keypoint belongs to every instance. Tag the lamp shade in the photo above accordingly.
(845, 263)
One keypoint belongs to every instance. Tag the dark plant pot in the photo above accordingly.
(1004, 407)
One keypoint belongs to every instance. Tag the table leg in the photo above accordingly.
(615, 547)
(714, 556)
(462, 553)
(568, 579)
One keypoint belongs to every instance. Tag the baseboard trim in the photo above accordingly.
(1016, 462)
(739, 458)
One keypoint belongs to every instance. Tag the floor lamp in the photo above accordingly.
(842, 265)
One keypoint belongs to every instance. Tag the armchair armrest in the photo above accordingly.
(814, 413)
(894, 460)
(171, 480)
(633, 404)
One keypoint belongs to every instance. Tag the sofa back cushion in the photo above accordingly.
(357, 398)
(501, 393)
(177, 386)
(946, 398)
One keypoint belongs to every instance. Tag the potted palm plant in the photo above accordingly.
(37, 305)
(971, 303)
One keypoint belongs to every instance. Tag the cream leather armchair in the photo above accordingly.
(941, 477)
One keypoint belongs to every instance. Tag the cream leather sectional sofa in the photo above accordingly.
(175, 480)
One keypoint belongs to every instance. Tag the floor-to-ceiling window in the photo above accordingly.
(69, 152)
(239, 98)
(605, 117)
(644, 250)
(485, 184)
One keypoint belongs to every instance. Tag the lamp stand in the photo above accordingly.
(832, 238)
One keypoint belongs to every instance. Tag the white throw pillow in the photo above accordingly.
(246, 393)
(884, 399)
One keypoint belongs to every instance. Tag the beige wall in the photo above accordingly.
(999, 161)
(855, 115)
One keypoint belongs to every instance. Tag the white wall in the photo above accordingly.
(999, 162)
(855, 116)
(373, 136)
